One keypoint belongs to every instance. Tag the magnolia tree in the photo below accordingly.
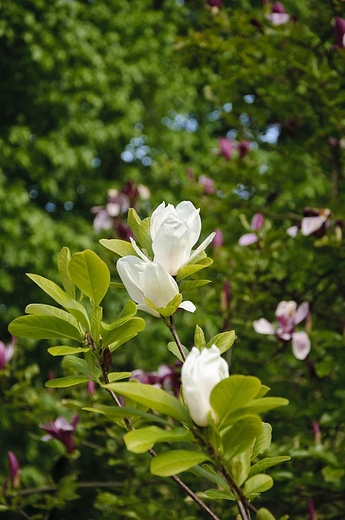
(213, 419)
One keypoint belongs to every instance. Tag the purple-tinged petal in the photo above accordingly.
(301, 312)
(227, 148)
(300, 345)
(311, 224)
(292, 231)
(243, 148)
(14, 468)
(339, 32)
(278, 18)
(218, 238)
(263, 326)
(247, 239)
(278, 7)
(257, 221)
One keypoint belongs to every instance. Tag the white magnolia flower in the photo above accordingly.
(174, 231)
(201, 372)
(149, 280)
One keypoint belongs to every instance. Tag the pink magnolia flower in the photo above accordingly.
(6, 353)
(339, 33)
(256, 224)
(61, 430)
(288, 315)
(208, 184)
(14, 468)
(278, 15)
(167, 377)
(227, 148)
(316, 222)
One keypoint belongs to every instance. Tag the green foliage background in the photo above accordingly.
(80, 81)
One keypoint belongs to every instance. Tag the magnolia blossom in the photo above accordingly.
(256, 224)
(14, 468)
(201, 372)
(144, 279)
(6, 353)
(316, 222)
(278, 14)
(61, 430)
(339, 33)
(174, 231)
(288, 315)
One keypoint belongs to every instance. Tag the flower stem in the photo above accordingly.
(171, 327)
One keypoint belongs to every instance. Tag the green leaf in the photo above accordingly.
(259, 406)
(116, 376)
(120, 412)
(257, 484)
(263, 441)
(81, 366)
(187, 285)
(239, 467)
(120, 247)
(95, 321)
(154, 398)
(223, 341)
(218, 494)
(144, 236)
(199, 338)
(190, 269)
(63, 350)
(264, 514)
(173, 348)
(142, 440)
(90, 274)
(64, 382)
(115, 337)
(207, 472)
(174, 462)
(134, 221)
(61, 297)
(263, 391)
(36, 326)
(129, 310)
(241, 436)
(50, 310)
(233, 393)
(266, 463)
(63, 261)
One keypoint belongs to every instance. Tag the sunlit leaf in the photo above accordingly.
(63, 350)
(63, 262)
(143, 439)
(223, 341)
(241, 436)
(120, 247)
(266, 463)
(257, 484)
(36, 326)
(64, 382)
(174, 462)
(90, 274)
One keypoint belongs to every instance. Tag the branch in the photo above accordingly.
(174, 334)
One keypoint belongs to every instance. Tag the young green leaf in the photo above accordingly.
(233, 393)
(257, 484)
(65, 382)
(190, 269)
(50, 310)
(144, 236)
(264, 514)
(61, 297)
(90, 274)
(115, 337)
(63, 261)
(154, 398)
(199, 338)
(63, 350)
(140, 441)
(218, 494)
(241, 436)
(120, 247)
(80, 366)
(36, 326)
(174, 462)
(263, 441)
(173, 348)
(223, 341)
(187, 285)
(266, 463)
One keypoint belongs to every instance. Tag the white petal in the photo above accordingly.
(302, 312)
(263, 326)
(157, 285)
(139, 251)
(129, 269)
(292, 231)
(201, 248)
(187, 306)
(311, 224)
(172, 244)
(300, 345)
(145, 308)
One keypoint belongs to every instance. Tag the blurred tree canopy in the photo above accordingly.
(98, 93)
